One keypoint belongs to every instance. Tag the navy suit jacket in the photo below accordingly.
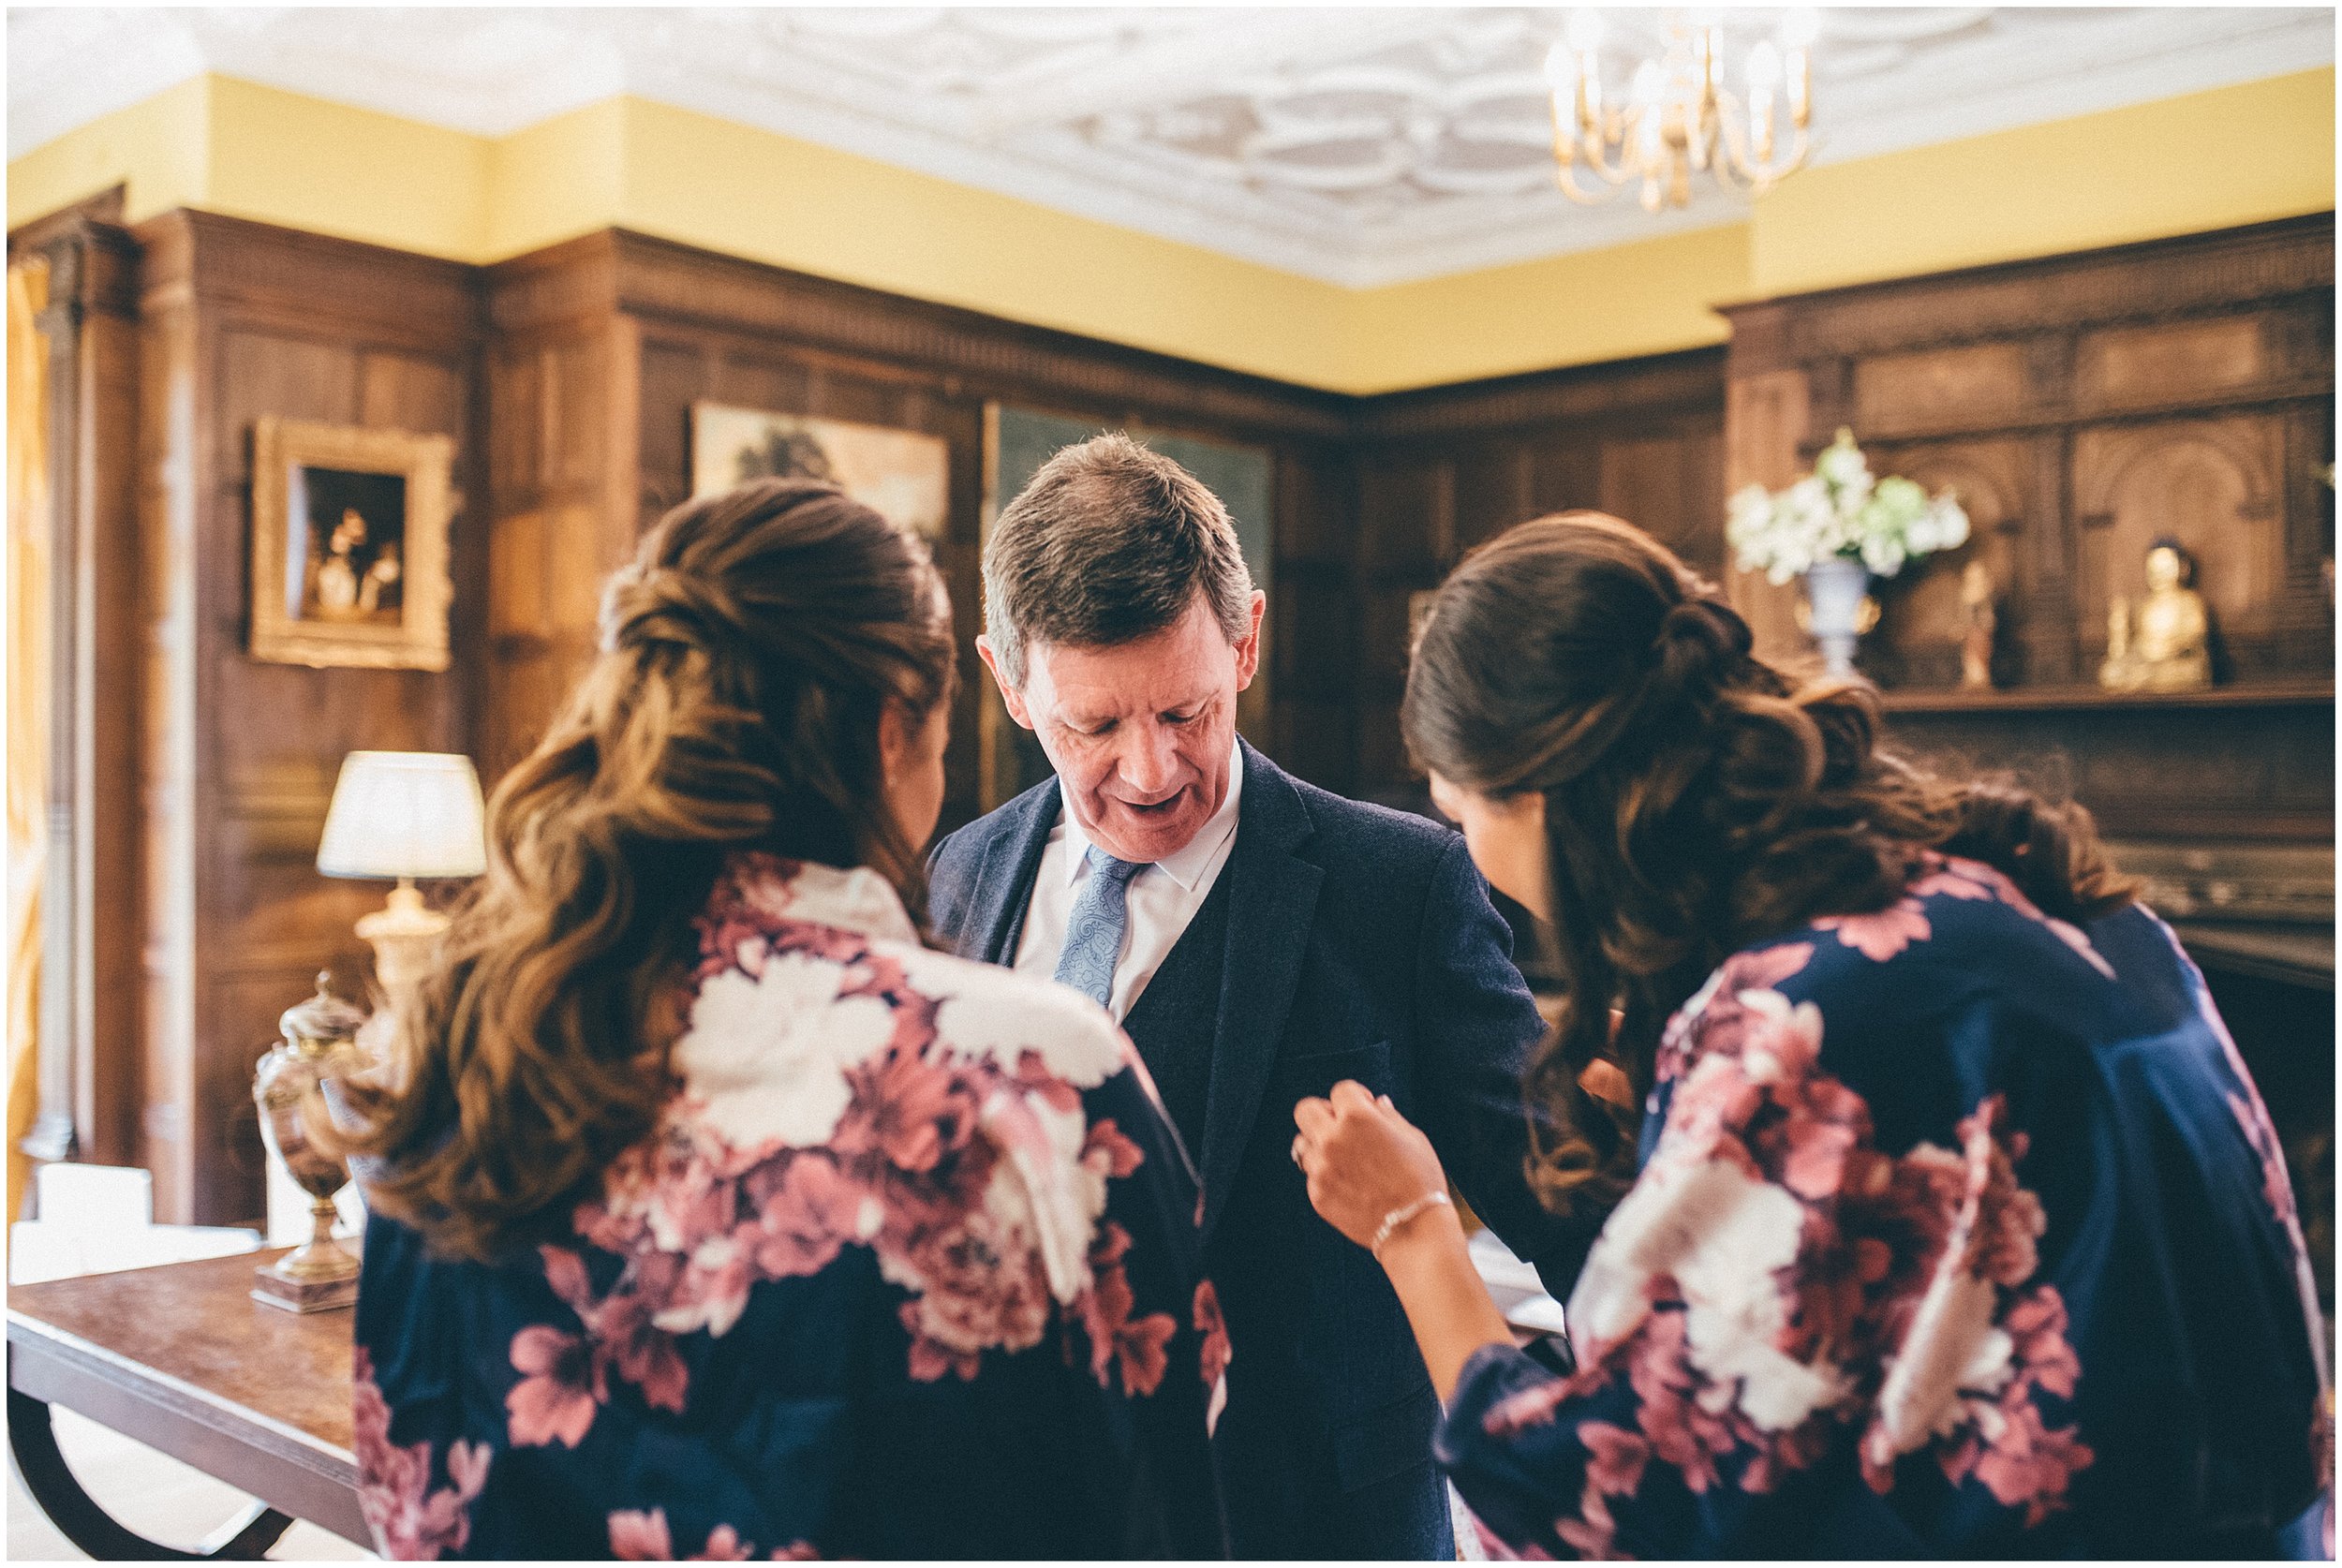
(1361, 944)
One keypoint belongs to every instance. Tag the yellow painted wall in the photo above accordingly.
(159, 150)
(281, 157)
(1587, 307)
(556, 180)
(2207, 160)
(769, 197)
(2176, 166)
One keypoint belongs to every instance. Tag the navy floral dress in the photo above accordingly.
(1960, 1232)
(908, 1271)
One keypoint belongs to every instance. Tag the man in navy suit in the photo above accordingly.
(1260, 940)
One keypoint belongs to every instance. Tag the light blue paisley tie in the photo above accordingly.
(1093, 933)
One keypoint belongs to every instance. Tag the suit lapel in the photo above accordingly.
(1272, 901)
(1004, 883)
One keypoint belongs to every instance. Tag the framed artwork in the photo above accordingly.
(1017, 442)
(349, 546)
(902, 475)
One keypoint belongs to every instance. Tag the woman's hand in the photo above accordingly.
(1363, 1160)
(1365, 1164)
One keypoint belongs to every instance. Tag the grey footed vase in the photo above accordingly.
(1835, 590)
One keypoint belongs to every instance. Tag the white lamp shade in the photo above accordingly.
(405, 814)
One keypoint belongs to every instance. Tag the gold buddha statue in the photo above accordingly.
(1980, 621)
(2166, 646)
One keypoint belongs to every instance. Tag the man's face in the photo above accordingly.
(1141, 733)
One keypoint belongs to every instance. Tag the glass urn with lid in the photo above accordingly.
(320, 1042)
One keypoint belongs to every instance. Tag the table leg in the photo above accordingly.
(33, 1443)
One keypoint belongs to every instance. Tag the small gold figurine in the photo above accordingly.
(2119, 673)
(2167, 645)
(1975, 642)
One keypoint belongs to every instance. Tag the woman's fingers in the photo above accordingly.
(1313, 1117)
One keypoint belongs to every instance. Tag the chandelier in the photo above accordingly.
(1680, 115)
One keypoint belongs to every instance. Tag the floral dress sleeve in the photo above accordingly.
(1794, 1340)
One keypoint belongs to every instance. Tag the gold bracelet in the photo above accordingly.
(1400, 1216)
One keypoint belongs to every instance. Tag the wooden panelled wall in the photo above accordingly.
(2084, 405)
(602, 346)
(1442, 470)
(238, 758)
(568, 377)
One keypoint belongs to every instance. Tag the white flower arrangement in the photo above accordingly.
(1840, 509)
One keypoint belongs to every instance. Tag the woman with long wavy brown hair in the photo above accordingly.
(714, 1215)
(1943, 1218)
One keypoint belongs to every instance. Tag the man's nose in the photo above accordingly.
(1149, 764)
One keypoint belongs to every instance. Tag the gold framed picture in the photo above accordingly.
(349, 546)
(905, 476)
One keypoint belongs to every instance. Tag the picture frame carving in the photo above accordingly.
(349, 546)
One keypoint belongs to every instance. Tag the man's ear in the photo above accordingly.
(1009, 694)
(1247, 647)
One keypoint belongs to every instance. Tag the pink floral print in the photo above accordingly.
(412, 1520)
(1784, 1288)
(1880, 936)
(1116, 1339)
(1980, 1344)
(1775, 1278)
(945, 1161)
(636, 1536)
(562, 1383)
(1955, 878)
(1214, 1328)
(938, 1135)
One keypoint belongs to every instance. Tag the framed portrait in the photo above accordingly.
(1017, 442)
(349, 546)
(902, 475)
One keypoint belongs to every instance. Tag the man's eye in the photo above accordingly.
(1182, 718)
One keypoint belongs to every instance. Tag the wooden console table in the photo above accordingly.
(183, 1359)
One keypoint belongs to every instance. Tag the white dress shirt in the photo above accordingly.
(1161, 900)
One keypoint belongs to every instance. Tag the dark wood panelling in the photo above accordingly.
(1446, 468)
(2181, 388)
(2077, 403)
(242, 321)
(600, 346)
(87, 1013)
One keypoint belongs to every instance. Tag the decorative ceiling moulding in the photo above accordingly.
(1361, 147)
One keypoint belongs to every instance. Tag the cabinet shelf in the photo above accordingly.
(2250, 694)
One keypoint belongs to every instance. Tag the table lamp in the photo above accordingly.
(403, 814)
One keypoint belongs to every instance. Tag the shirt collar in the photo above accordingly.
(1186, 865)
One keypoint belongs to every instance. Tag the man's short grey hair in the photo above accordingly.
(1110, 542)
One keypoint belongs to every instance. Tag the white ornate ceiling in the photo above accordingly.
(1361, 146)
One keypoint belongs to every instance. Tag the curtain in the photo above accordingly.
(29, 530)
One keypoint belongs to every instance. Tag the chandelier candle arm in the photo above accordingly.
(1678, 115)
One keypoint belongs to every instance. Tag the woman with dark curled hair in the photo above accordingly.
(1943, 1218)
(714, 1215)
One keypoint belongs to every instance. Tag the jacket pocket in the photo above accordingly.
(1318, 1073)
(1378, 1444)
